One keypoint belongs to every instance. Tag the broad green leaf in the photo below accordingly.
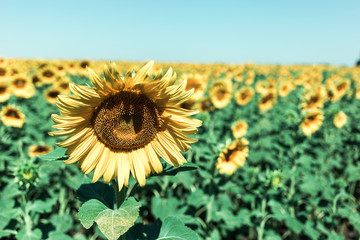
(89, 211)
(57, 155)
(100, 191)
(35, 234)
(114, 223)
(173, 229)
(62, 223)
(294, 224)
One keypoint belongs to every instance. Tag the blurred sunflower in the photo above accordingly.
(5, 92)
(340, 89)
(123, 125)
(220, 93)
(48, 74)
(52, 93)
(285, 88)
(312, 122)
(39, 149)
(22, 87)
(12, 116)
(233, 156)
(36, 80)
(196, 82)
(312, 100)
(239, 129)
(4, 72)
(267, 101)
(204, 105)
(340, 119)
(244, 95)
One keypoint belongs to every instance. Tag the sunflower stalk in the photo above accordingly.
(119, 195)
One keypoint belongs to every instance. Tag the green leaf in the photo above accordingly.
(57, 155)
(62, 223)
(294, 224)
(172, 171)
(59, 236)
(100, 191)
(114, 223)
(33, 235)
(89, 211)
(173, 229)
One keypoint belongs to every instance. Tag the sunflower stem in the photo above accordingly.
(120, 195)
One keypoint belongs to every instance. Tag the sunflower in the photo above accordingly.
(267, 101)
(39, 149)
(204, 105)
(220, 93)
(196, 82)
(312, 122)
(357, 93)
(340, 119)
(340, 89)
(22, 87)
(52, 93)
(239, 129)
(244, 95)
(5, 92)
(313, 99)
(123, 125)
(36, 80)
(285, 88)
(48, 74)
(12, 116)
(4, 72)
(233, 156)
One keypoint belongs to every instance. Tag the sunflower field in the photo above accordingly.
(98, 150)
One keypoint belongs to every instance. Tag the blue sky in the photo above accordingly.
(270, 32)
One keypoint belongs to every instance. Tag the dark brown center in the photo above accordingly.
(53, 93)
(2, 71)
(48, 73)
(127, 121)
(12, 113)
(20, 83)
(2, 89)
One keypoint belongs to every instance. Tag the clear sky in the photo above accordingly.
(270, 32)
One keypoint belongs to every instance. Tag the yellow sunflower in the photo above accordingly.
(285, 88)
(239, 129)
(123, 125)
(39, 149)
(12, 116)
(4, 72)
(220, 93)
(5, 92)
(22, 87)
(244, 95)
(312, 122)
(52, 93)
(267, 101)
(340, 119)
(233, 156)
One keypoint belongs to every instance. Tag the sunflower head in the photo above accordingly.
(340, 119)
(12, 116)
(22, 87)
(5, 91)
(39, 149)
(123, 124)
(233, 156)
(239, 129)
(267, 101)
(52, 93)
(244, 95)
(220, 93)
(312, 122)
